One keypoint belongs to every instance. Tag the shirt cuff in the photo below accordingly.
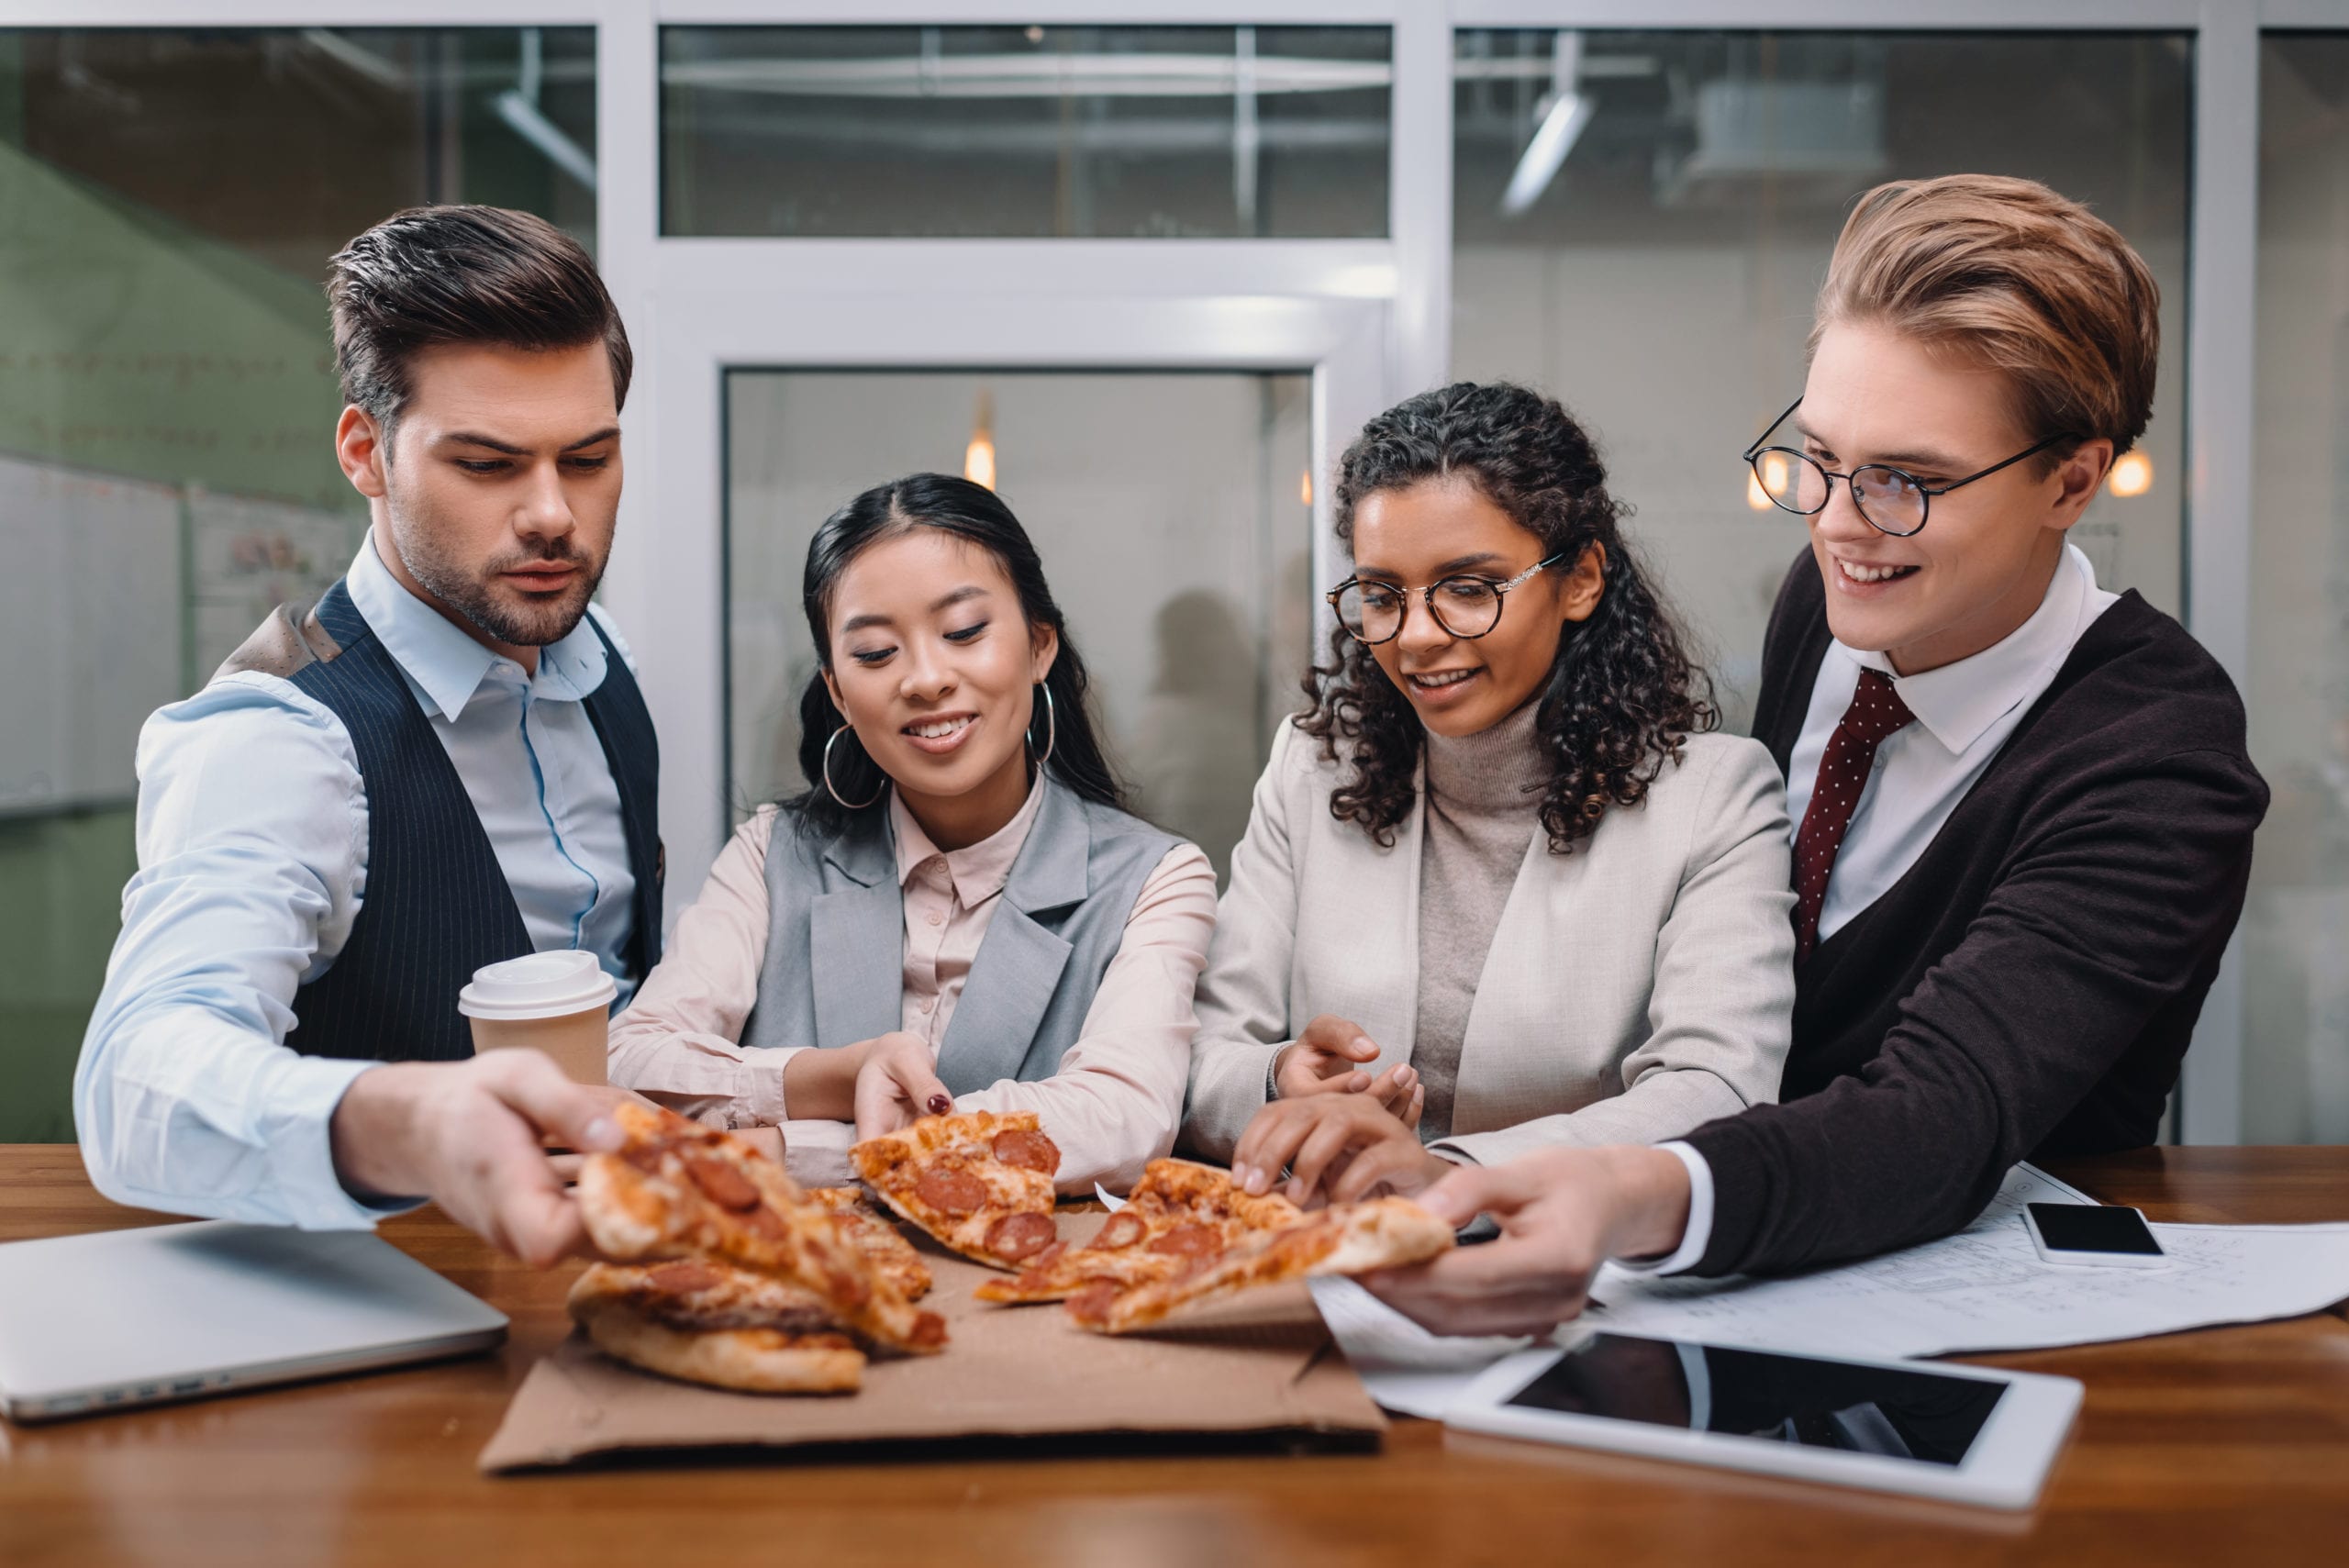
(1699, 1234)
(762, 1094)
(300, 1133)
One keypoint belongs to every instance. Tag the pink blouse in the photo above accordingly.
(1113, 1106)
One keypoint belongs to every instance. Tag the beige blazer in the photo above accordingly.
(1638, 988)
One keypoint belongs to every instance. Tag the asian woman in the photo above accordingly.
(958, 913)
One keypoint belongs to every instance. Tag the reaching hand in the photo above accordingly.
(1325, 1059)
(1563, 1213)
(896, 1083)
(1334, 1148)
(470, 1136)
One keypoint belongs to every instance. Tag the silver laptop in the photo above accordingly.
(126, 1318)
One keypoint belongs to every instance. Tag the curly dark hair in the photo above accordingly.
(1623, 693)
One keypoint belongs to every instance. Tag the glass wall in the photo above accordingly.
(168, 201)
(1187, 583)
(1040, 132)
(2296, 1045)
(1642, 221)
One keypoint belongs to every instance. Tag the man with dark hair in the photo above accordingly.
(445, 763)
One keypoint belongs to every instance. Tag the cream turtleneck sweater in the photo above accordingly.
(1483, 792)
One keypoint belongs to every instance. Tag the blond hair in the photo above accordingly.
(2013, 277)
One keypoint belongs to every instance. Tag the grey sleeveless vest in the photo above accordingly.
(834, 972)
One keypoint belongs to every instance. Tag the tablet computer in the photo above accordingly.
(120, 1319)
(1961, 1433)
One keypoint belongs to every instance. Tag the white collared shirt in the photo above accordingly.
(1964, 712)
(531, 762)
(253, 857)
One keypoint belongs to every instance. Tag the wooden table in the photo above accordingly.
(2226, 1445)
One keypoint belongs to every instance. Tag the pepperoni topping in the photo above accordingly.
(1028, 1150)
(951, 1192)
(680, 1278)
(1091, 1304)
(1049, 1256)
(724, 1186)
(1188, 1242)
(1018, 1236)
(1123, 1231)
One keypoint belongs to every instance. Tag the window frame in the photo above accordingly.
(1403, 281)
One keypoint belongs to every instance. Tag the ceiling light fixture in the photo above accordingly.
(978, 458)
(1564, 114)
(2132, 476)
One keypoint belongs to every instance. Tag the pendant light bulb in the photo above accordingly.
(978, 458)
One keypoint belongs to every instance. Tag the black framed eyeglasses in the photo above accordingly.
(1465, 605)
(1889, 500)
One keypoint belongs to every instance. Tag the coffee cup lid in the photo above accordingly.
(540, 986)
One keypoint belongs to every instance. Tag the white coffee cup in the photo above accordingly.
(556, 1002)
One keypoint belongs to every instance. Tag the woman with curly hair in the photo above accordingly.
(1502, 857)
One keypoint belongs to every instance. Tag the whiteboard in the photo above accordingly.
(89, 644)
(247, 557)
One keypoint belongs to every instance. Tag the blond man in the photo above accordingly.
(2024, 803)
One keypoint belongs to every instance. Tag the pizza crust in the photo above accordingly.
(745, 1361)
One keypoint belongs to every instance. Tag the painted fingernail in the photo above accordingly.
(939, 1104)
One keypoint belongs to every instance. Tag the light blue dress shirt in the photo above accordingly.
(252, 864)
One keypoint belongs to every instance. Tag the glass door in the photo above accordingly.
(1174, 511)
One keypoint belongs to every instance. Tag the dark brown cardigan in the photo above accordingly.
(2030, 985)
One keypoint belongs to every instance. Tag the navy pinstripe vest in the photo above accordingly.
(437, 905)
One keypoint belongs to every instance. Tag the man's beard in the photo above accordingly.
(517, 624)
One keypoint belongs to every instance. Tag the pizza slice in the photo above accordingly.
(1178, 1213)
(724, 1327)
(891, 1256)
(1347, 1239)
(677, 1189)
(980, 1182)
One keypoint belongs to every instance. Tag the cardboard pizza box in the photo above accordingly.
(1261, 1365)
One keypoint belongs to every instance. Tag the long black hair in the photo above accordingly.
(971, 512)
(1623, 693)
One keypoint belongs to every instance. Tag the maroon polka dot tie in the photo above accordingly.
(1875, 712)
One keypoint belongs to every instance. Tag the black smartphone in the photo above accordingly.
(2092, 1233)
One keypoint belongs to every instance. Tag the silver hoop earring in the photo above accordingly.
(1052, 727)
(833, 790)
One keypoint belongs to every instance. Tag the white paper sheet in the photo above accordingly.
(1404, 1367)
(1985, 1288)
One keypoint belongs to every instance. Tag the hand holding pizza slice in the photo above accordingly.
(677, 1190)
(980, 1182)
